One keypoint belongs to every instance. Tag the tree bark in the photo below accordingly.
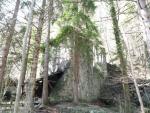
(10, 32)
(24, 58)
(46, 58)
(76, 68)
(76, 59)
(36, 56)
(123, 63)
(118, 38)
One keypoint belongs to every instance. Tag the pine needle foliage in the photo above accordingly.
(76, 24)
(88, 5)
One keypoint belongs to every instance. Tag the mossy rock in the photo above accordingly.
(63, 89)
(89, 85)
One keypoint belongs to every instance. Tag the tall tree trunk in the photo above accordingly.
(10, 32)
(123, 64)
(24, 57)
(46, 58)
(75, 63)
(76, 59)
(36, 56)
(118, 38)
(145, 18)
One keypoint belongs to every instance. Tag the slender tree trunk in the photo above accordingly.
(123, 64)
(46, 58)
(11, 30)
(24, 58)
(137, 88)
(134, 78)
(145, 18)
(36, 56)
(76, 59)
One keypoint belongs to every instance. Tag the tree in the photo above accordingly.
(118, 39)
(9, 37)
(134, 78)
(46, 58)
(120, 53)
(36, 56)
(24, 57)
(75, 64)
(76, 29)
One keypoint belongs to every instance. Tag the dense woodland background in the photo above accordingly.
(95, 52)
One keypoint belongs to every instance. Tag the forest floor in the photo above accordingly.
(111, 94)
(71, 108)
(58, 108)
(47, 110)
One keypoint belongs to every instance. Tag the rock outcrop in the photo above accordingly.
(89, 85)
(112, 90)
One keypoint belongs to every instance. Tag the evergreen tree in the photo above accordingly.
(35, 57)
(24, 58)
(9, 37)
(46, 57)
(77, 27)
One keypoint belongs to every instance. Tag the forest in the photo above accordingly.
(74, 56)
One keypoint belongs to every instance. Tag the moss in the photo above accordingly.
(118, 37)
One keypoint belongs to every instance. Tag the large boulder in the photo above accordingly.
(90, 82)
